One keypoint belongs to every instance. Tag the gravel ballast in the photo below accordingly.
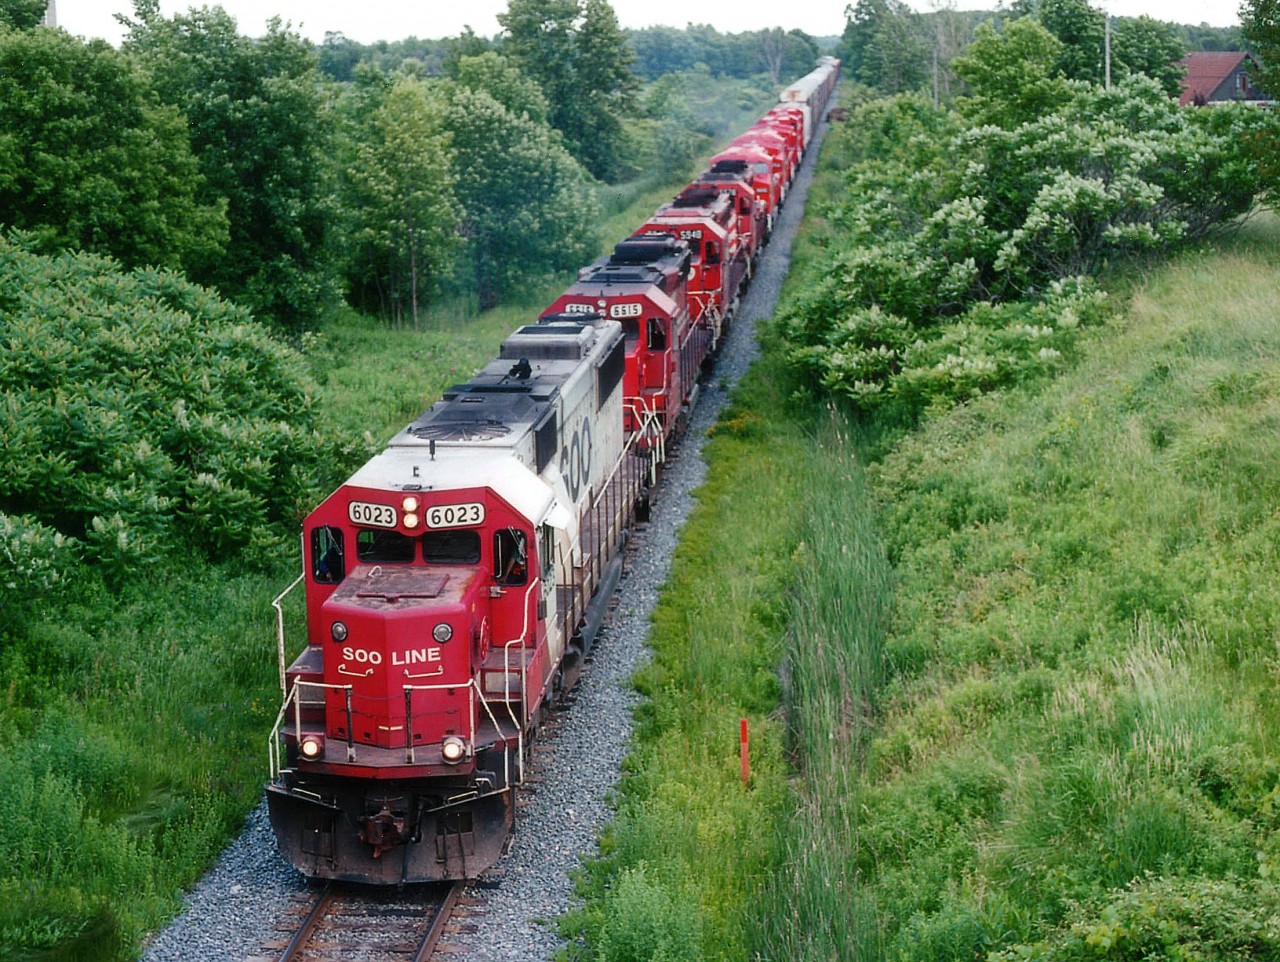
(235, 909)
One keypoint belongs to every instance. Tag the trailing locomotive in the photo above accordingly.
(455, 583)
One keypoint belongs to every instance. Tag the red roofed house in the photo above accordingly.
(1216, 76)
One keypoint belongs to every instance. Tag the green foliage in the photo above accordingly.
(1151, 47)
(884, 46)
(398, 196)
(578, 55)
(338, 55)
(89, 160)
(690, 841)
(528, 208)
(22, 14)
(1070, 752)
(1205, 920)
(839, 605)
(255, 114)
(1260, 28)
(942, 234)
(496, 76)
(141, 413)
(1012, 75)
(645, 922)
(683, 115)
(34, 558)
(1081, 28)
(666, 50)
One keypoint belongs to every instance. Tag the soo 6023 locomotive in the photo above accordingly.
(455, 583)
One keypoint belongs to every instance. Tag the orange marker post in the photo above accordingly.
(744, 743)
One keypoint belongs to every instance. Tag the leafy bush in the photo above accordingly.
(140, 414)
(647, 923)
(1156, 918)
(964, 255)
(33, 557)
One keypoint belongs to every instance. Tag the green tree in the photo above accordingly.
(1012, 76)
(89, 159)
(899, 57)
(22, 14)
(884, 45)
(466, 44)
(399, 192)
(1260, 26)
(665, 50)
(1082, 30)
(949, 33)
(1141, 45)
(529, 207)
(256, 116)
(338, 56)
(861, 21)
(495, 74)
(579, 56)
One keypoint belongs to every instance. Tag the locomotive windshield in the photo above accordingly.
(383, 547)
(451, 547)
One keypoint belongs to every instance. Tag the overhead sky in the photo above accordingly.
(396, 19)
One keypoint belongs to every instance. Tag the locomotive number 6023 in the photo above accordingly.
(455, 515)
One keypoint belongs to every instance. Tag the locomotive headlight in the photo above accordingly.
(410, 504)
(442, 632)
(452, 749)
(311, 746)
(410, 520)
(338, 632)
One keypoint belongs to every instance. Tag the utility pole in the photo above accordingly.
(935, 75)
(1107, 47)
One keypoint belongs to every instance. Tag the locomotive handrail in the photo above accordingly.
(524, 681)
(293, 697)
(471, 733)
(280, 628)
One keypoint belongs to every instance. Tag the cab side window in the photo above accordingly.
(328, 566)
(547, 553)
(510, 557)
(657, 335)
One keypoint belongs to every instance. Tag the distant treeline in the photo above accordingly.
(658, 51)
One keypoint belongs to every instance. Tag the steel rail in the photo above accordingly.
(338, 906)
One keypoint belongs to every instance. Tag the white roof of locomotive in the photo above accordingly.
(411, 470)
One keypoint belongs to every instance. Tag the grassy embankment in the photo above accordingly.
(133, 718)
(1070, 752)
(1037, 722)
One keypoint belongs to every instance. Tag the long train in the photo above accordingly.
(455, 583)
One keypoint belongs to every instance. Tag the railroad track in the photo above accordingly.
(359, 924)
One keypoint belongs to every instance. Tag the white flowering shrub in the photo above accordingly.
(34, 558)
(964, 252)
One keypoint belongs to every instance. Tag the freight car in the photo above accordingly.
(455, 583)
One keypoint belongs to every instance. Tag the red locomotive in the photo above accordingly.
(455, 583)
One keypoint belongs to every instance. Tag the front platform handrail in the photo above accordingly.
(280, 629)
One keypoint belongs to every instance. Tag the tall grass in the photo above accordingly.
(834, 665)
(1070, 757)
(690, 839)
